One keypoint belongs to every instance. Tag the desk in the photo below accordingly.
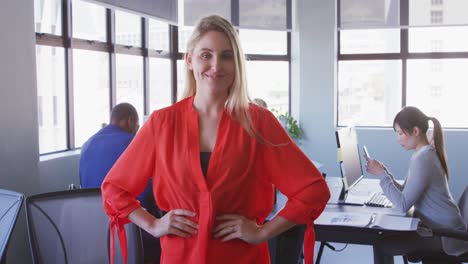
(354, 234)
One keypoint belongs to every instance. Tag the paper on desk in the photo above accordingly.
(344, 219)
(379, 221)
(394, 222)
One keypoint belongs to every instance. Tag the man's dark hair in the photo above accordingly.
(123, 111)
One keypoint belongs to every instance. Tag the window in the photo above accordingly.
(436, 66)
(184, 35)
(438, 39)
(130, 82)
(442, 95)
(158, 35)
(89, 21)
(48, 16)
(115, 56)
(263, 41)
(274, 91)
(416, 64)
(356, 41)
(437, 17)
(51, 98)
(40, 114)
(370, 92)
(91, 93)
(436, 45)
(435, 91)
(181, 76)
(128, 29)
(160, 83)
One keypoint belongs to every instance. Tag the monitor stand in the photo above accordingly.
(343, 193)
(349, 199)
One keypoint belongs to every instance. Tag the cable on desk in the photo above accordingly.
(339, 250)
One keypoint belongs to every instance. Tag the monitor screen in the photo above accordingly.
(350, 164)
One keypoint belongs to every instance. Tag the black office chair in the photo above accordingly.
(287, 247)
(10, 205)
(72, 227)
(431, 257)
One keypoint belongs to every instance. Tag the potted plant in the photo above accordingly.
(291, 125)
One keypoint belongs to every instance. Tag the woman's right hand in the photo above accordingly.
(374, 167)
(175, 222)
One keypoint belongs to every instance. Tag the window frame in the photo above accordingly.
(404, 55)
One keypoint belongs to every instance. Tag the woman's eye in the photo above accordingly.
(227, 56)
(205, 55)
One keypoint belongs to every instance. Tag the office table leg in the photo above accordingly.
(381, 258)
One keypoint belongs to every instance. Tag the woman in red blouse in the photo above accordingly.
(214, 158)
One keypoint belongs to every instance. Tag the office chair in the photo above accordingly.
(10, 205)
(72, 227)
(431, 257)
(287, 247)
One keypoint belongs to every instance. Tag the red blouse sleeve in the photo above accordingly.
(128, 178)
(293, 173)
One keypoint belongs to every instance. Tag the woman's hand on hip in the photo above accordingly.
(175, 222)
(233, 226)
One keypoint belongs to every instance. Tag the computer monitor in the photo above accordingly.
(350, 159)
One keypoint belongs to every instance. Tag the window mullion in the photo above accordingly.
(67, 34)
(404, 21)
(145, 47)
(110, 16)
(174, 54)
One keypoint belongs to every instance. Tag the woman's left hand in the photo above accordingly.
(233, 226)
(374, 167)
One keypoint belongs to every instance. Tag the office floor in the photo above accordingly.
(352, 254)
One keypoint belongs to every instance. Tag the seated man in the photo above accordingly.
(102, 150)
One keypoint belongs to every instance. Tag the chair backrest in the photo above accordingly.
(72, 227)
(10, 205)
(463, 205)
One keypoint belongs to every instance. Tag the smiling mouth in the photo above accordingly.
(214, 76)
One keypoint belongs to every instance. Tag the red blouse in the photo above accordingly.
(240, 179)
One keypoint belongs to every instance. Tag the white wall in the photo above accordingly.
(19, 136)
(57, 172)
(20, 169)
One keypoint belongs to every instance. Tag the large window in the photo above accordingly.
(85, 68)
(90, 93)
(129, 76)
(51, 98)
(91, 57)
(417, 61)
(274, 91)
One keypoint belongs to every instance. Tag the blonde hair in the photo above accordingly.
(237, 102)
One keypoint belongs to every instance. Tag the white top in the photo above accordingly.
(426, 188)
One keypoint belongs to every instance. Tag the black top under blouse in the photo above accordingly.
(205, 160)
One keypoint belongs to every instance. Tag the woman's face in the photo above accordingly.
(212, 63)
(406, 140)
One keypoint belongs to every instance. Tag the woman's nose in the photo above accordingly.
(216, 63)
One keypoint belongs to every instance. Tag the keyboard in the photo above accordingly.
(378, 199)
